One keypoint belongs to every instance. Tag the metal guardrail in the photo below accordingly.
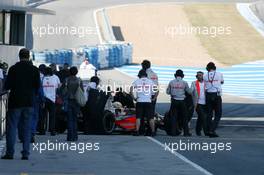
(3, 111)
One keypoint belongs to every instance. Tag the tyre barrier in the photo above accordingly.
(101, 56)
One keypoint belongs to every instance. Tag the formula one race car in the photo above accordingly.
(118, 118)
(106, 117)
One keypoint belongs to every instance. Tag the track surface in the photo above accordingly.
(246, 137)
(242, 126)
(81, 14)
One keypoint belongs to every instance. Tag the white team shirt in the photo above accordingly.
(153, 76)
(50, 84)
(213, 81)
(143, 88)
(201, 99)
(86, 70)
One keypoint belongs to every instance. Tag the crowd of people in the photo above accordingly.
(206, 93)
(34, 94)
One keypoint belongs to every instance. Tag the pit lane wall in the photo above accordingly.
(101, 56)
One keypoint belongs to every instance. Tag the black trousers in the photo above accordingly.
(201, 122)
(49, 110)
(90, 116)
(214, 105)
(144, 110)
(178, 113)
(153, 111)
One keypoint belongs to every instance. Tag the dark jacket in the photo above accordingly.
(96, 103)
(72, 84)
(63, 74)
(23, 81)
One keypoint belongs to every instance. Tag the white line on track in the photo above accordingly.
(251, 126)
(253, 119)
(199, 168)
(125, 73)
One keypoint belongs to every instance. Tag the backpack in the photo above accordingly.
(80, 96)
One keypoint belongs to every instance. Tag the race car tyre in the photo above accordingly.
(108, 122)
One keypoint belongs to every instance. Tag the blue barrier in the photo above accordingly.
(70, 55)
(40, 57)
(101, 56)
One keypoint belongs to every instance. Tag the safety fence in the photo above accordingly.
(3, 108)
(101, 56)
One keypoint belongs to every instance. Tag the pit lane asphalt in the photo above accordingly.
(140, 155)
(110, 155)
(246, 156)
(245, 135)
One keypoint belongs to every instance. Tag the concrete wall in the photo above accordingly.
(13, 2)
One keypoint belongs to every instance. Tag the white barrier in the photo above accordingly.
(245, 10)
